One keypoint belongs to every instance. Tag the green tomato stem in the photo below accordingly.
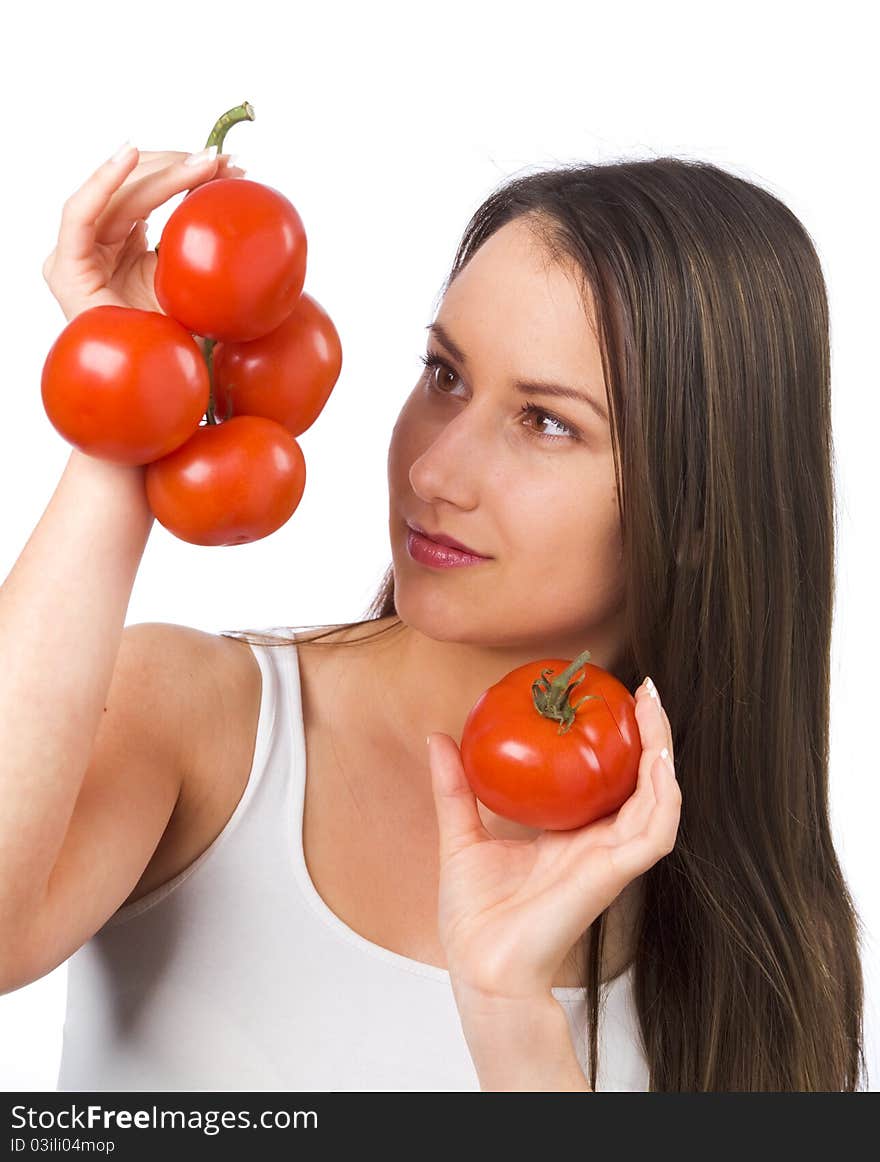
(208, 350)
(242, 112)
(551, 699)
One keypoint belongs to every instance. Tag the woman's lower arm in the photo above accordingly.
(522, 1046)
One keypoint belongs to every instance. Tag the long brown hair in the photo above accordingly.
(713, 322)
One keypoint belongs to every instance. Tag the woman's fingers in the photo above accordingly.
(668, 735)
(651, 825)
(458, 818)
(152, 160)
(655, 734)
(133, 249)
(604, 867)
(634, 813)
(76, 235)
(152, 188)
(643, 695)
(118, 193)
(657, 838)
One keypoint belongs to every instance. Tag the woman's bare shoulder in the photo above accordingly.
(218, 689)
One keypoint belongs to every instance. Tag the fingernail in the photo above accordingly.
(202, 156)
(664, 754)
(121, 152)
(229, 158)
(651, 688)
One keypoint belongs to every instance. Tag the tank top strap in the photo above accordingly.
(281, 734)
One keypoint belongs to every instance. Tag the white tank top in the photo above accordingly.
(235, 975)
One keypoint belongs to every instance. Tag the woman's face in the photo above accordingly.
(465, 460)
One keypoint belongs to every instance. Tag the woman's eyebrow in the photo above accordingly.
(524, 386)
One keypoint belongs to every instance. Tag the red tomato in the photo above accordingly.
(229, 483)
(286, 375)
(125, 385)
(531, 756)
(232, 260)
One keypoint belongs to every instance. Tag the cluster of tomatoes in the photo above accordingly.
(134, 387)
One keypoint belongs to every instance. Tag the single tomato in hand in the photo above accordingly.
(125, 385)
(533, 756)
(229, 483)
(232, 260)
(286, 375)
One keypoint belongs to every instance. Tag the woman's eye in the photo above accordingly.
(532, 409)
(434, 364)
(437, 366)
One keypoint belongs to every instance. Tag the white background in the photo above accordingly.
(386, 125)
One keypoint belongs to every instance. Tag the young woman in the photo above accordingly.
(625, 412)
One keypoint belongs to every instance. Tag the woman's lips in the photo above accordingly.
(445, 539)
(428, 552)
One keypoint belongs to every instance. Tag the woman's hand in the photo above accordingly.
(511, 910)
(101, 256)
